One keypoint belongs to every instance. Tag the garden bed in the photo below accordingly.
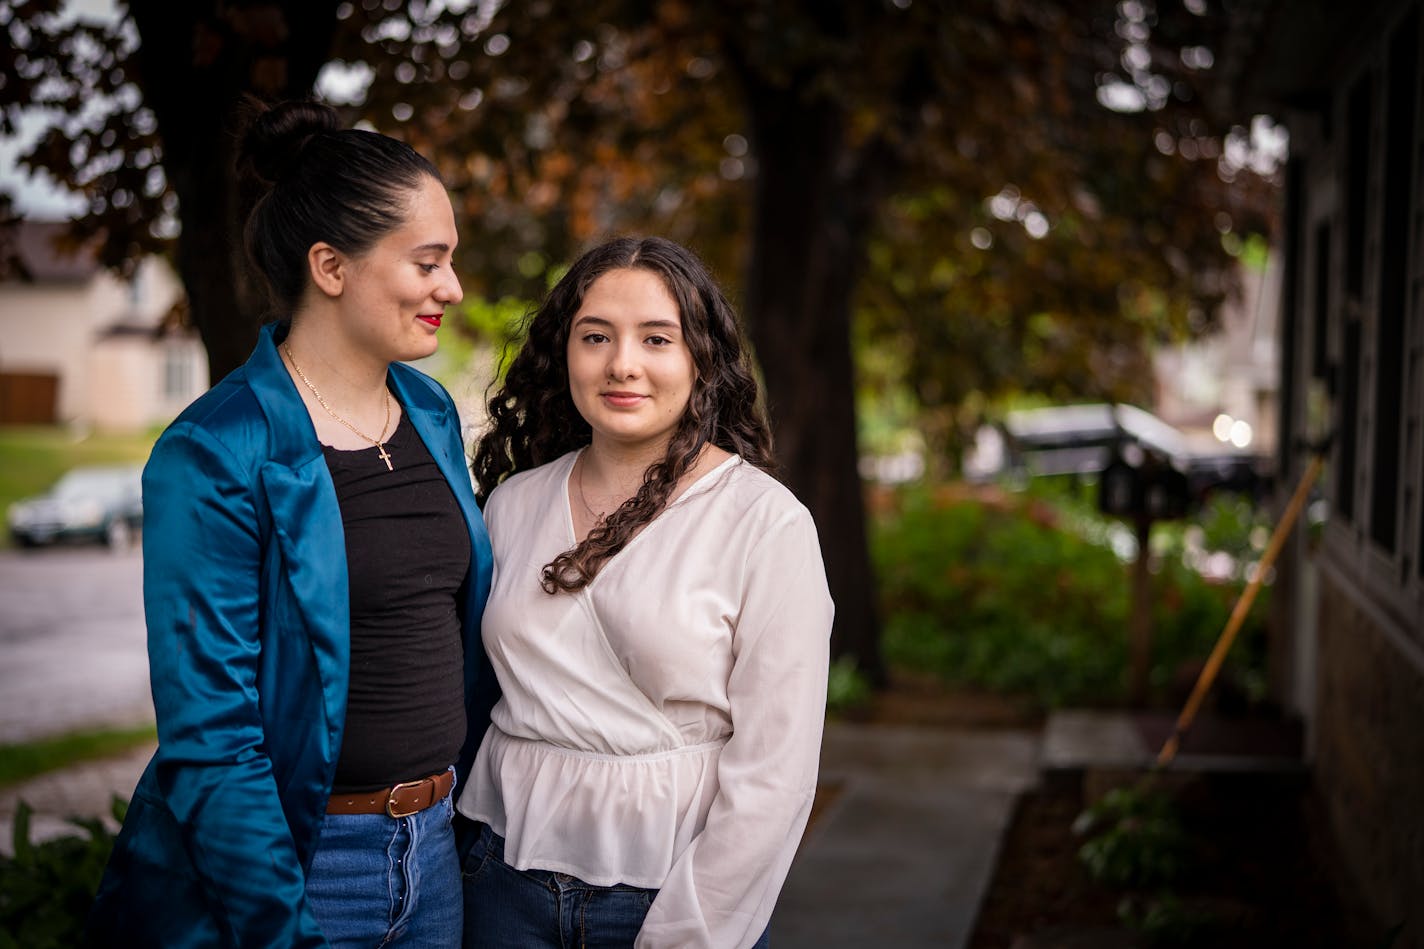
(1259, 872)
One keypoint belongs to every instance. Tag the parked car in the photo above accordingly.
(101, 503)
(1084, 439)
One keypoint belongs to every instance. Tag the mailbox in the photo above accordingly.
(1153, 489)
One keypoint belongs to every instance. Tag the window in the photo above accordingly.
(1357, 171)
(1357, 175)
(1349, 419)
(1320, 304)
(1400, 102)
(177, 372)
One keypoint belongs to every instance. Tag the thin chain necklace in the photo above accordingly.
(380, 443)
(578, 482)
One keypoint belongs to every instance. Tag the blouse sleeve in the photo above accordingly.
(202, 568)
(721, 890)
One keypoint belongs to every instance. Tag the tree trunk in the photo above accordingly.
(197, 62)
(808, 242)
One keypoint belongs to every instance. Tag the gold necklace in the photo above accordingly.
(380, 443)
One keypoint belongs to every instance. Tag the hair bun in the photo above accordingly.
(275, 135)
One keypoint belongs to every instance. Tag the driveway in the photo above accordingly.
(72, 651)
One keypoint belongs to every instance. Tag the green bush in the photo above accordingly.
(1026, 594)
(847, 689)
(1135, 839)
(46, 889)
(1137, 842)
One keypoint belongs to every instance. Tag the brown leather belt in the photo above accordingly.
(403, 800)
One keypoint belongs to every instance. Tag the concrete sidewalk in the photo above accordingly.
(905, 852)
(901, 856)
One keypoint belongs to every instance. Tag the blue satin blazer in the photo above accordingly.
(246, 601)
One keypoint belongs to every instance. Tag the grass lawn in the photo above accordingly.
(29, 759)
(33, 457)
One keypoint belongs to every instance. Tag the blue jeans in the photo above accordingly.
(383, 881)
(507, 908)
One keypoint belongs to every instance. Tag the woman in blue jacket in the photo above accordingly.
(315, 567)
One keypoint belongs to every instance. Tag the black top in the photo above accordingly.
(407, 553)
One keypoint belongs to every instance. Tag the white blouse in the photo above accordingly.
(662, 727)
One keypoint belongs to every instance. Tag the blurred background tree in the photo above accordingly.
(984, 195)
(142, 108)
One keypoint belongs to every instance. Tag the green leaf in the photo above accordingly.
(20, 838)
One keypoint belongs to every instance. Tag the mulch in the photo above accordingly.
(1260, 873)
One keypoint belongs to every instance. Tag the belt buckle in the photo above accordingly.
(391, 798)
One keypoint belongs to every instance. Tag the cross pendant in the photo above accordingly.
(385, 457)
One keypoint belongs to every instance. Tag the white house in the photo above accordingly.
(80, 346)
(1234, 371)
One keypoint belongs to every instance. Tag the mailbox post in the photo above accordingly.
(1142, 489)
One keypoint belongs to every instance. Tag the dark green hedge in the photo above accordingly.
(1024, 594)
(46, 889)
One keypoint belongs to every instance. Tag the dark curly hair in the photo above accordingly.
(534, 421)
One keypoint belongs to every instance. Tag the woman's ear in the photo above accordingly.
(328, 268)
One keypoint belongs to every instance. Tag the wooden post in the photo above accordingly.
(1139, 627)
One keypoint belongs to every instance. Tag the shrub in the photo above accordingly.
(847, 689)
(46, 889)
(1030, 594)
(1136, 839)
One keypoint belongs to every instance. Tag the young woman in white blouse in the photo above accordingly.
(659, 623)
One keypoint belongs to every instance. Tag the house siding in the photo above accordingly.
(48, 329)
(1350, 649)
(63, 329)
(1369, 763)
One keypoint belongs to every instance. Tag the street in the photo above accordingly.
(72, 652)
